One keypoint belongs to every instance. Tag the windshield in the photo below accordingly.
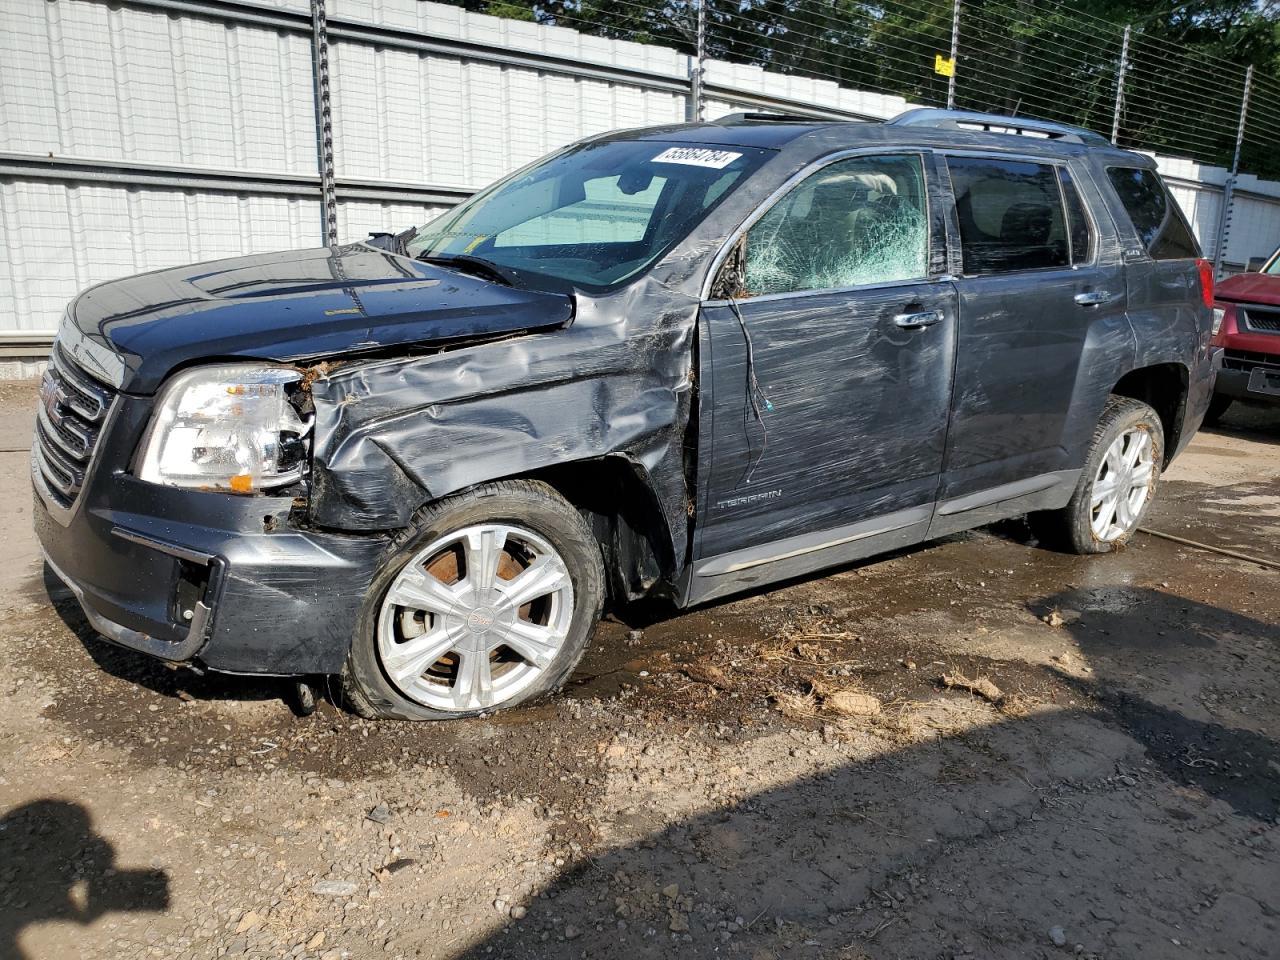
(593, 215)
(1273, 267)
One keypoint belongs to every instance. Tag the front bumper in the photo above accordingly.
(1238, 380)
(217, 580)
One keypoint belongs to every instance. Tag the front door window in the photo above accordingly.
(858, 221)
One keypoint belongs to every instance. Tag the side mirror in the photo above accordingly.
(1256, 264)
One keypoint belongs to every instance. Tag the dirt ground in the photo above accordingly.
(796, 773)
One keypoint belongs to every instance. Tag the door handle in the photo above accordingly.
(1092, 298)
(917, 321)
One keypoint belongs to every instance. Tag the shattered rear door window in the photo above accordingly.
(857, 221)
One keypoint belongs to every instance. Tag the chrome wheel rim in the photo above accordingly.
(475, 618)
(1122, 485)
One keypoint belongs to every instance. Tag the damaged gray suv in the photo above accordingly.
(684, 361)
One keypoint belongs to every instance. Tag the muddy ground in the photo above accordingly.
(784, 775)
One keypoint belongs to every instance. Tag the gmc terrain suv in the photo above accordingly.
(1247, 327)
(685, 360)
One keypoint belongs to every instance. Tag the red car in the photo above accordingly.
(1246, 325)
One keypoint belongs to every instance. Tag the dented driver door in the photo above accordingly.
(826, 381)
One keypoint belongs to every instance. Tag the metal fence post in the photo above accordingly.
(955, 50)
(324, 123)
(696, 105)
(1228, 191)
(1121, 73)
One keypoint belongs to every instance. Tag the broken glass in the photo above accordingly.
(857, 221)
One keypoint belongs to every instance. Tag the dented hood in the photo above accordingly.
(290, 306)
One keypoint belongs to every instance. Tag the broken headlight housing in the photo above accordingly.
(231, 427)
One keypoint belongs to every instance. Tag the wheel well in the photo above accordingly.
(1163, 387)
(628, 522)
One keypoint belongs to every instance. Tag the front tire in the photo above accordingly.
(1116, 487)
(486, 601)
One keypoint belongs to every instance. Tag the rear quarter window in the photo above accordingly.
(1154, 213)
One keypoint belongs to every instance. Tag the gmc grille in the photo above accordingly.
(1261, 319)
(69, 419)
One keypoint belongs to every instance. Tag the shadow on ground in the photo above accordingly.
(1252, 420)
(55, 867)
(992, 842)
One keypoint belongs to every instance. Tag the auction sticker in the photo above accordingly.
(697, 157)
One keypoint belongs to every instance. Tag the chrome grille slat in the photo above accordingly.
(75, 441)
(85, 397)
(63, 481)
(69, 419)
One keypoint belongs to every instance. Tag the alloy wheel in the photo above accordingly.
(1122, 486)
(475, 618)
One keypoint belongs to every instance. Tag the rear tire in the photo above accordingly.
(450, 629)
(1218, 406)
(1116, 487)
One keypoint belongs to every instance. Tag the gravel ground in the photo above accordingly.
(977, 748)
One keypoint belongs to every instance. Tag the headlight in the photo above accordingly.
(227, 427)
(1218, 314)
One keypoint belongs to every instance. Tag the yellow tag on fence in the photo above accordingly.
(944, 65)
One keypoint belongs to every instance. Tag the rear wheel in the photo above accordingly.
(1117, 485)
(488, 601)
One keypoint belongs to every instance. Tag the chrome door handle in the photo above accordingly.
(917, 321)
(1092, 298)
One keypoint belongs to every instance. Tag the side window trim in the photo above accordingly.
(798, 178)
(1056, 162)
(1091, 222)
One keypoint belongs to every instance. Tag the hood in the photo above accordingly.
(1249, 288)
(292, 306)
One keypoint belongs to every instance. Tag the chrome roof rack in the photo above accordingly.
(730, 119)
(996, 123)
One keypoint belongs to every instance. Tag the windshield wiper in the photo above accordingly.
(466, 263)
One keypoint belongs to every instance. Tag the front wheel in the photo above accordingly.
(488, 601)
(1117, 484)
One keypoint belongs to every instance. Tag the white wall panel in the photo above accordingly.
(84, 79)
(404, 116)
(61, 238)
(359, 218)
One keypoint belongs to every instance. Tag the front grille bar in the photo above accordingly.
(69, 420)
(1261, 320)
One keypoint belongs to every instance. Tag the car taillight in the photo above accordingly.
(1206, 281)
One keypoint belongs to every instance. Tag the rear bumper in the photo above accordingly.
(215, 580)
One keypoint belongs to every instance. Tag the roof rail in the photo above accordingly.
(731, 118)
(996, 123)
